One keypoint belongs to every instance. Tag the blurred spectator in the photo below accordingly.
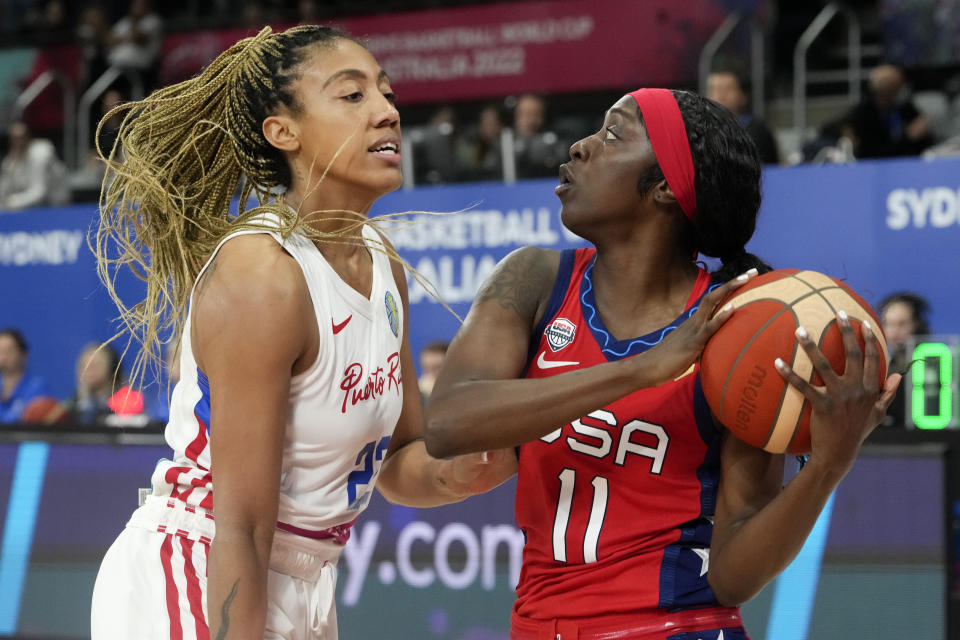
(93, 35)
(431, 359)
(97, 370)
(15, 13)
(48, 22)
(902, 316)
(441, 153)
(253, 15)
(728, 88)
(485, 161)
(950, 129)
(946, 149)
(886, 122)
(135, 42)
(111, 127)
(307, 12)
(17, 387)
(31, 174)
(539, 152)
(85, 183)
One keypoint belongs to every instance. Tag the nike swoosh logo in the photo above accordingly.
(337, 328)
(543, 363)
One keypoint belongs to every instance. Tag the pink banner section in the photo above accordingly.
(495, 50)
(548, 46)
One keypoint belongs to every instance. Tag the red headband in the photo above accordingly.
(668, 137)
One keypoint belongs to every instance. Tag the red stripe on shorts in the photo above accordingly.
(173, 599)
(195, 448)
(194, 595)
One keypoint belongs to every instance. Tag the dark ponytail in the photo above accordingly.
(727, 183)
(739, 263)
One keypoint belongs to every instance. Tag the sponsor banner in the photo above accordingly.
(446, 572)
(51, 292)
(555, 46)
(493, 50)
(881, 226)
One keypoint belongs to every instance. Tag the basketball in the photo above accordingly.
(741, 383)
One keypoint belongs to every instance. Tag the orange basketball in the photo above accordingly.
(741, 383)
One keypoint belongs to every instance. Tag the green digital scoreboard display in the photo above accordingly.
(932, 384)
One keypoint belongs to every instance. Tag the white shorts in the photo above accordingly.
(152, 583)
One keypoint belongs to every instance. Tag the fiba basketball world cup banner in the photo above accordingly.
(487, 51)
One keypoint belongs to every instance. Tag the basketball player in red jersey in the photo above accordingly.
(643, 517)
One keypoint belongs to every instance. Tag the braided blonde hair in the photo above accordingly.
(178, 160)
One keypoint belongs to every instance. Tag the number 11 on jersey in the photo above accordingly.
(598, 511)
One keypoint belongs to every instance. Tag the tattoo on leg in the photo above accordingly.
(225, 612)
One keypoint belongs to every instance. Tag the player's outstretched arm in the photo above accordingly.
(759, 529)
(479, 404)
(411, 476)
(250, 313)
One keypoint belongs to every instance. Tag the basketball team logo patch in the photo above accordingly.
(560, 333)
(393, 315)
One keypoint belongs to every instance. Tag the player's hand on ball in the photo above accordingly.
(475, 473)
(677, 353)
(848, 406)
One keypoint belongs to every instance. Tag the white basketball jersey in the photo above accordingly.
(342, 411)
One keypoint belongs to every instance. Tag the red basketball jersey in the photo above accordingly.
(617, 507)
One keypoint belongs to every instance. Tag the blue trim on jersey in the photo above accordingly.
(202, 408)
(612, 348)
(709, 472)
(681, 585)
(702, 413)
(568, 259)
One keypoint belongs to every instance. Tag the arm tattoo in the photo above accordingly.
(518, 283)
(225, 612)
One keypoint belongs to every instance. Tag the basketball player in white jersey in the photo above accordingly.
(297, 390)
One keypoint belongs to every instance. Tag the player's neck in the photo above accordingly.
(650, 286)
(332, 209)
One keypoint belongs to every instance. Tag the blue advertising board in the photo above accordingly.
(881, 226)
(449, 573)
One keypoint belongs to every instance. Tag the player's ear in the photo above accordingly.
(281, 132)
(663, 194)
